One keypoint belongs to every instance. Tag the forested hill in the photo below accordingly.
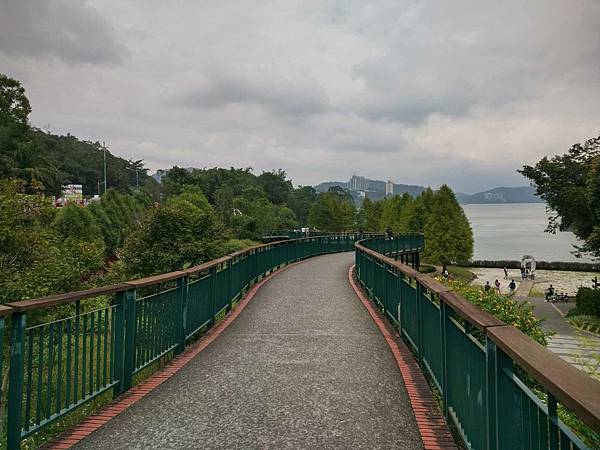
(82, 162)
(47, 161)
(57, 160)
(522, 194)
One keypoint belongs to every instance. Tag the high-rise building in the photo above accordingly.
(389, 188)
(358, 183)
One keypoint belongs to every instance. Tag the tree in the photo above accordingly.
(173, 236)
(396, 213)
(276, 186)
(14, 104)
(328, 213)
(570, 185)
(448, 234)
(300, 200)
(370, 214)
(420, 211)
(35, 260)
(72, 221)
(341, 194)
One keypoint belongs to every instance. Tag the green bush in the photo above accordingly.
(588, 302)
(512, 312)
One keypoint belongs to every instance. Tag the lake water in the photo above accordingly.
(509, 231)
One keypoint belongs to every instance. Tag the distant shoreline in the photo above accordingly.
(544, 265)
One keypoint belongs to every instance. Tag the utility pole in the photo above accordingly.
(104, 147)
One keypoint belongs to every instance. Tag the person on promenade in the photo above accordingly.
(505, 273)
(522, 273)
(549, 293)
(497, 285)
(511, 287)
(487, 287)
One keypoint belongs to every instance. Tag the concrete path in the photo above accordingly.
(524, 287)
(580, 348)
(303, 366)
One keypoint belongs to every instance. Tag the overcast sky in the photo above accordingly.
(457, 92)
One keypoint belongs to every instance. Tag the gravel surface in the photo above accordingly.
(303, 366)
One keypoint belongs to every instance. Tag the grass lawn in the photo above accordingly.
(461, 273)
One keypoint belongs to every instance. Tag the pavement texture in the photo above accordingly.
(578, 347)
(303, 366)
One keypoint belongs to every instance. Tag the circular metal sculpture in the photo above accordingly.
(528, 263)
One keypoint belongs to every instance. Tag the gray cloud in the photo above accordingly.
(423, 92)
(69, 30)
(296, 95)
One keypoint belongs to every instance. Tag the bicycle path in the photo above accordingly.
(303, 366)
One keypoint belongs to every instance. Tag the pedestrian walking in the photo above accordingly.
(497, 285)
(522, 273)
(505, 273)
(511, 287)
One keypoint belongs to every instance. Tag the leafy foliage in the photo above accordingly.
(587, 302)
(46, 161)
(36, 257)
(448, 234)
(331, 212)
(570, 184)
(513, 312)
(173, 236)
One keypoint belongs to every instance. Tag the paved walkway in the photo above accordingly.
(580, 348)
(303, 366)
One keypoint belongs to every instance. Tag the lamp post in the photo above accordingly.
(104, 147)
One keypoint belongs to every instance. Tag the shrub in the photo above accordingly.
(588, 302)
(512, 312)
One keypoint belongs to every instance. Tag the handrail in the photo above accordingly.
(71, 297)
(59, 363)
(67, 297)
(570, 386)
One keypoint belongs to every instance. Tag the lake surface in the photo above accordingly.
(509, 231)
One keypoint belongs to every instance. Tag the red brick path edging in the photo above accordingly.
(432, 426)
(135, 394)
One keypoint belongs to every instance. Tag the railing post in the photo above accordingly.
(180, 319)
(15, 387)
(119, 343)
(418, 291)
(552, 421)
(129, 351)
(443, 333)
(498, 403)
(213, 296)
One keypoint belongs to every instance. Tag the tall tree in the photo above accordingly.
(276, 186)
(300, 200)
(570, 184)
(448, 234)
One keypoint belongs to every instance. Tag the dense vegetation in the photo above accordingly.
(570, 184)
(202, 214)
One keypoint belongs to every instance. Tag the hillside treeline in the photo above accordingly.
(140, 227)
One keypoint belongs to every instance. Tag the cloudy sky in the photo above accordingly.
(422, 92)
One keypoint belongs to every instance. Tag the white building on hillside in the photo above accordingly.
(389, 188)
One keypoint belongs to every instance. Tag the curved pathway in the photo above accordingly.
(303, 366)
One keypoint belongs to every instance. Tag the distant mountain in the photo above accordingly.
(522, 194)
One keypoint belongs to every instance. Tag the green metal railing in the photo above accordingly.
(475, 360)
(100, 338)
